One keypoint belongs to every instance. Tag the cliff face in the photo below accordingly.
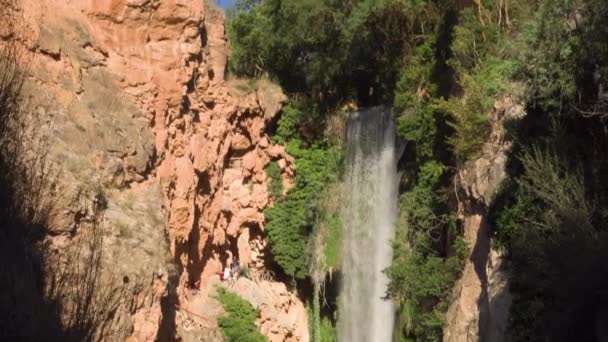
(134, 98)
(481, 299)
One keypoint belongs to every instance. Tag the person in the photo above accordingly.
(226, 273)
(235, 266)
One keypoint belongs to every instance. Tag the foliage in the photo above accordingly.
(565, 55)
(287, 128)
(548, 60)
(328, 331)
(291, 220)
(420, 275)
(249, 34)
(543, 222)
(320, 327)
(331, 251)
(424, 277)
(276, 180)
(443, 67)
(416, 79)
(484, 62)
(324, 248)
(550, 219)
(420, 128)
(325, 241)
(329, 50)
(239, 323)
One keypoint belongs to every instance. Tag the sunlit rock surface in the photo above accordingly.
(134, 98)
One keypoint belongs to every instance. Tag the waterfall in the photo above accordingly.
(369, 215)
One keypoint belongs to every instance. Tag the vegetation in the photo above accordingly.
(291, 221)
(551, 219)
(331, 51)
(443, 65)
(276, 181)
(239, 323)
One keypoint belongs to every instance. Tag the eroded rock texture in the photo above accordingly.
(481, 299)
(134, 95)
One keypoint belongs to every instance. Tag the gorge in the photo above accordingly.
(303, 170)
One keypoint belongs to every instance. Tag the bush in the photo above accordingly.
(276, 180)
(290, 221)
(328, 331)
(423, 283)
(481, 88)
(239, 323)
(287, 128)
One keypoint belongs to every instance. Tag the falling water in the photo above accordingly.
(369, 215)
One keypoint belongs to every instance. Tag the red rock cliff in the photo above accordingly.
(140, 105)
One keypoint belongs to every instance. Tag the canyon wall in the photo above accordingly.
(135, 102)
(479, 310)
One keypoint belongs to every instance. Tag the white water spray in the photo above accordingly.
(369, 215)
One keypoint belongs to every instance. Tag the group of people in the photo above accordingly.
(230, 272)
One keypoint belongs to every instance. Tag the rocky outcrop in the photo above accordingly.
(481, 299)
(282, 317)
(134, 95)
(282, 314)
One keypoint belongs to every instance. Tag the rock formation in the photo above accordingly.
(134, 97)
(481, 299)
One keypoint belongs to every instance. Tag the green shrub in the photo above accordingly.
(328, 331)
(420, 128)
(549, 56)
(239, 323)
(423, 284)
(287, 127)
(321, 328)
(275, 185)
(416, 79)
(481, 89)
(419, 277)
(290, 221)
